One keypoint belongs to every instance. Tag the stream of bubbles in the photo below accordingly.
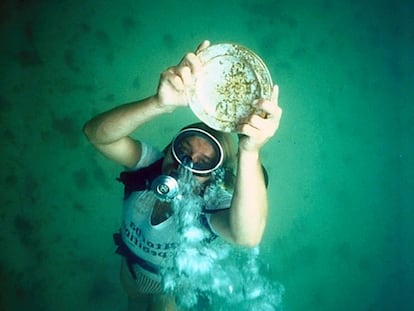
(206, 274)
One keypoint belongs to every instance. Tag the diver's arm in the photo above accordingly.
(248, 212)
(245, 221)
(109, 132)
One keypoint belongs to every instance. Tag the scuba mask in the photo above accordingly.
(181, 149)
(166, 187)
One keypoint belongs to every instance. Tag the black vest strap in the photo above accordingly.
(141, 179)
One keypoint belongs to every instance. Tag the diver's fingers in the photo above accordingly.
(257, 122)
(185, 74)
(173, 78)
(202, 46)
(275, 95)
(192, 61)
(270, 109)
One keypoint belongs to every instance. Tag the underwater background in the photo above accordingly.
(340, 232)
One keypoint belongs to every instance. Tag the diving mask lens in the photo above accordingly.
(182, 151)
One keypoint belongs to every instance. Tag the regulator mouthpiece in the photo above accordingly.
(165, 187)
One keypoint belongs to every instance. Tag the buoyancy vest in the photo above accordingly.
(141, 180)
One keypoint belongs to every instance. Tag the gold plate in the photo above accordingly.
(231, 79)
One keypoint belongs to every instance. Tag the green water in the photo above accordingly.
(340, 228)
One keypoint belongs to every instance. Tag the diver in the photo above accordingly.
(237, 212)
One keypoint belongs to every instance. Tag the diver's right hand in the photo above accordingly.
(176, 81)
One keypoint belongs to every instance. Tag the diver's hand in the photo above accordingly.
(256, 130)
(176, 81)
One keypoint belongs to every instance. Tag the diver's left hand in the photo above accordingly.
(256, 130)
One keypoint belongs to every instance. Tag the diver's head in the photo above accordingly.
(201, 150)
(197, 150)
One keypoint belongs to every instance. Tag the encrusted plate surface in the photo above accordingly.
(231, 79)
